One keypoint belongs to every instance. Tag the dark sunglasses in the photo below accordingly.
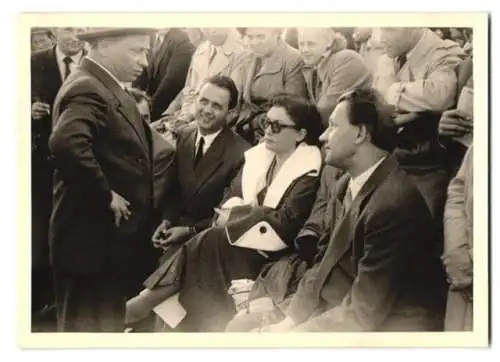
(276, 126)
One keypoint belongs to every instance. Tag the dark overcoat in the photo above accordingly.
(378, 272)
(99, 144)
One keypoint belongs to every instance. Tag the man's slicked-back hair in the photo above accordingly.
(225, 82)
(367, 107)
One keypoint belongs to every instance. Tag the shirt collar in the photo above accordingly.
(76, 58)
(122, 85)
(209, 139)
(355, 184)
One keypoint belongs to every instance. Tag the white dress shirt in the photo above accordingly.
(72, 66)
(355, 184)
(209, 139)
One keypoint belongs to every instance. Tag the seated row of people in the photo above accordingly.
(374, 262)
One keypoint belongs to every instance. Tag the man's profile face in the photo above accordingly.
(127, 56)
(339, 138)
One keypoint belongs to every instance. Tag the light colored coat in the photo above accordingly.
(203, 67)
(428, 80)
(280, 72)
(458, 247)
(341, 70)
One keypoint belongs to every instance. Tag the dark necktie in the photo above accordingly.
(258, 65)
(199, 152)
(316, 84)
(347, 200)
(401, 61)
(67, 61)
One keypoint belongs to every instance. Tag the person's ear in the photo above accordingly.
(362, 134)
(302, 133)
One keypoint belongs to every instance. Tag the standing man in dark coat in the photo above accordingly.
(168, 65)
(103, 194)
(49, 68)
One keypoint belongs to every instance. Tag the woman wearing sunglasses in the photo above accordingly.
(263, 210)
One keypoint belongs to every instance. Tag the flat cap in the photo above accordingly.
(100, 33)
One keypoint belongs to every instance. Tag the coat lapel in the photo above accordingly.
(341, 237)
(272, 64)
(210, 162)
(124, 103)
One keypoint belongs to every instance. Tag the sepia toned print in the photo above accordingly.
(256, 181)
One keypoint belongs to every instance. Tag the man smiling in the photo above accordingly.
(208, 158)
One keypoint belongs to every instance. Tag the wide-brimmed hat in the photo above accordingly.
(99, 33)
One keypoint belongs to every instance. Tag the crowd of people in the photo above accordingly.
(251, 179)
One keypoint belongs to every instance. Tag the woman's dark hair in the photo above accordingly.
(225, 82)
(303, 113)
(367, 107)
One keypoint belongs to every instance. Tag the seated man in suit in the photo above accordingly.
(378, 272)
(208, 157)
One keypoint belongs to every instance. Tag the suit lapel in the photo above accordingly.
(341, 236)
(210, 162)
(124, 103)
(271, 65)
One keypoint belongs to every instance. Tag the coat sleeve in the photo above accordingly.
(436, 92)
(71, 144)
(314, 222)
(175, 77)
(456, 256)
(289, 217)
(374, 289)
(234, 189)
(348, 73)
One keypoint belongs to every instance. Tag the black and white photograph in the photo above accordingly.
(249, 182)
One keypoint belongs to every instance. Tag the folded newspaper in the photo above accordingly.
(171, 311)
